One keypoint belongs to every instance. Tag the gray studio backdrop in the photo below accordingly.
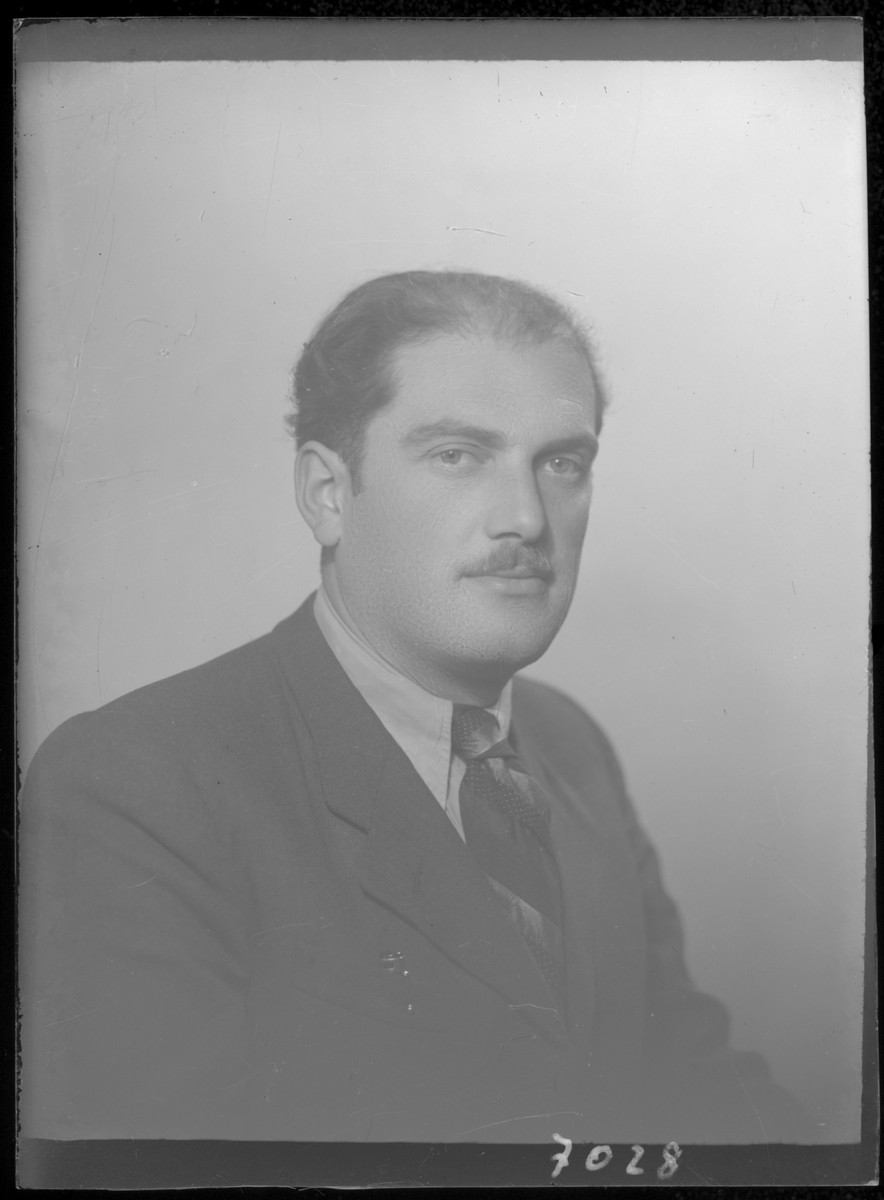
(182, 226)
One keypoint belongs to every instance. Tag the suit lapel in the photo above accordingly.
(575, 867)
(418, 865)
(605, 933)
(412, 860)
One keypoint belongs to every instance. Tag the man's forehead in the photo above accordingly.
(468, 372)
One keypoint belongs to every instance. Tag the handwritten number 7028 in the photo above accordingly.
(600, 1156)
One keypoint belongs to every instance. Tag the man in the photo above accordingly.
(355, 880)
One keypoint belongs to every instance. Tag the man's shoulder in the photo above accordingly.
(225, 697)
(199, 689)
(541, 704)
(561, 727)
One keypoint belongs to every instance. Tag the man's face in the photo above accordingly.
(458, 556)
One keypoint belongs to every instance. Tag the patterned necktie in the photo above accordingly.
(506, 824)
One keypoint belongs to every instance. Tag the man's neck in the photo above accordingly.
(484, 692)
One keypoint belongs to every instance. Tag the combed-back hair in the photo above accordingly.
(345, 373)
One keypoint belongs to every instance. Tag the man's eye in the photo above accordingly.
(560, 465)
(452, 457)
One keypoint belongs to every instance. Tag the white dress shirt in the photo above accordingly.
(416, 719)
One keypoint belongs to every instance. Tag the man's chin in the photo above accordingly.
(519, 611)
(511, 644)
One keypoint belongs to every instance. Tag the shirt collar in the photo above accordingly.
(419, 721)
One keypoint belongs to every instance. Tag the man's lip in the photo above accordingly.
(514, 573)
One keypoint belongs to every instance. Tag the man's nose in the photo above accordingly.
(516, 507)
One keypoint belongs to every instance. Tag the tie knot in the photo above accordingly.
(474, 731)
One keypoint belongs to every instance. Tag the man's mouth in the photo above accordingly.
(519, 573)
(520, 580)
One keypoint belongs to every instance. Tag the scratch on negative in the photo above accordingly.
(270, 189)
(473, 229)
(565, 1112)
(288, 925)
(81, 533)
(262, 933)
(82, 270)
(383, 56)
(62, 441)
(542, 1007)
(288, 554)
(238, 1082)
(638, 113)
(129, 886)
(684, 561)
(751, 1102)
(112, 478)
(812, 899)
(763, 518)
(62, 1020)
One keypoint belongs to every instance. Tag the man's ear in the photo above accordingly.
(322, 484)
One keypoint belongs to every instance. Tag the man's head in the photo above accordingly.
(346, 372)
(447, 424)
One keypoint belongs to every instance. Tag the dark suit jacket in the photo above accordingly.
(213, 869)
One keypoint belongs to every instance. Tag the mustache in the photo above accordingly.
(512, 558)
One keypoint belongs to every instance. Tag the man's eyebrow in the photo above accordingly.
(450, 428)
(587, 442)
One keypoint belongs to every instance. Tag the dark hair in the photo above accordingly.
(344, 375)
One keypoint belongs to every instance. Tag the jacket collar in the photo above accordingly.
(418, 721)
(413, 860)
